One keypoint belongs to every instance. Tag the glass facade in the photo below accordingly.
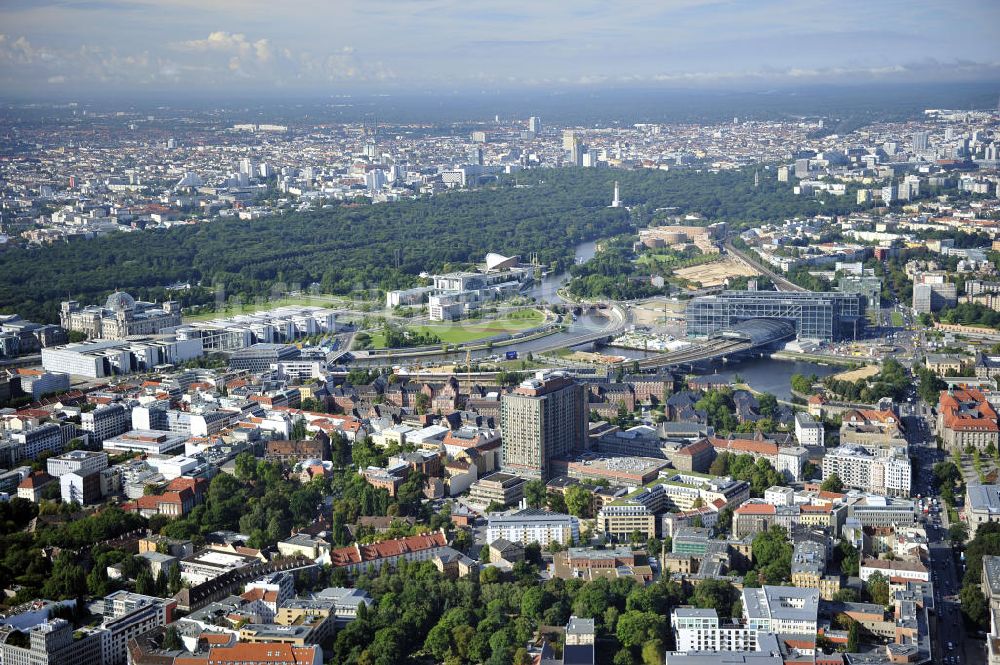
(825, 316)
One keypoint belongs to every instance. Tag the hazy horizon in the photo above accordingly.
(61, 48)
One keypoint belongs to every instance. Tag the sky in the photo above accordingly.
(333, 47)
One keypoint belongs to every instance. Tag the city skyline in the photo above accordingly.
(109, 46)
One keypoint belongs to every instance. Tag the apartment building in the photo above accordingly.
(859, 468)
(533, 526)
(809, 569)
(543, 418)
(879, 430)
(781, 609)
(896, 571)
(106, 422)
(358, 558)
(32, 442)
(128, 615)
(991, 590)
(808, 432)
(701, 630)
(677, 492)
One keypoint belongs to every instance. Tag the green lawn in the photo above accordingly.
(458, 332)
(897, 320)
(250, 308)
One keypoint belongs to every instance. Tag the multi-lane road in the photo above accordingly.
(951, 645)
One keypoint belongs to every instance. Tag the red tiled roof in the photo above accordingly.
(967, 411)
(744, 446)
(35, 480)
(345, 556)
(756, 509)
(269, 653)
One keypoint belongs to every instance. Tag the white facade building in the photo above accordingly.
(781, 609)
(859, 468)
(83, 462)
(809, 432)
(128, 615)
(699, 630)
(533, 526)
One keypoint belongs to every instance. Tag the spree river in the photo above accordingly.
(764, 374)
(772, 376)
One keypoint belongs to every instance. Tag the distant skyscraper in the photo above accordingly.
(569, 138)
(475, 155)
(756, 178)
(375, 180)
(920, 141)
(616, 202)
(535, 124)
(247, 167)
(544, 418)
(801, 168)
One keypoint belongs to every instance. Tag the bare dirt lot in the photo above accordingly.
(715, 273)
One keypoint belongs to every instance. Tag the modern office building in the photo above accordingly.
(148, 442)
(678, 492)
(503, 488)
(932, 291)
(867, 284)
(121, 317)
(543, 418)
(208, 564)
(820, 315)
(97, 359)
(873, 510)
(38, 383)
(53, 642)
(259, 357)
